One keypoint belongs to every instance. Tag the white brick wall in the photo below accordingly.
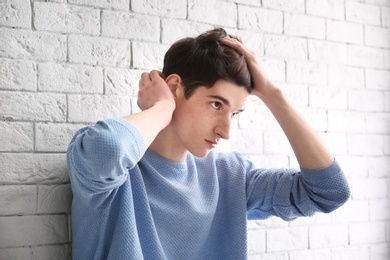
(67, 63)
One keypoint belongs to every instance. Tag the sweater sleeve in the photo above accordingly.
(100, 156)
(292, 193)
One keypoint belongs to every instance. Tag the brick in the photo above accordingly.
(258, 19)
(54, 198)
(380, 251)
(351, 252)
(272, 222)
(362, 13)
(204, 11)
(386, 62)
(387, 144)
(33, 45)
(304, 26)
(380, 209)
(365, 144)
(367, 57)
(369, 188)
(364, 233)
(21, 253)
(378, 123)
(366, 100)
(70, 78)
(247, 2)
(388, 231)
(298, 94)
(328, 97)
(333, 9)
(245, 141)
(377, 36)
(28, 168)
(276, 143)
(330, 52)
(256, 241)
(66, 18)
(387, 101)
(99, 51)
(148, 55)
(256, 116)
(341, 31)
(291, 48)
(18, 75)
(252, 40)
(354, 166)
(336, 142)
(32, 230)
(18, 199)
(16, 136)
(58, 252)
(346, 121)
(130, 26)
(317, 118)
(275, 69)
(16, 13)
(306, 72)
(379, 167)
(378, 2)
(321, 254)
(54, 137)
(166, 8)
(285, 5)
(134, 106)
(176, 29)
(328, 236)
(378, 79)
(345, 76)
(117, 4)
(269, 161)
(287, 239)
(385, 16)
(91, 108)
(352, 212)
(121, 81)
(32, 106)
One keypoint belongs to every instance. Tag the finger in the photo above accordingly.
(145, 76)
(154, 74)
(235, 44)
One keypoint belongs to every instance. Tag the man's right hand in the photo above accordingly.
(153, 89)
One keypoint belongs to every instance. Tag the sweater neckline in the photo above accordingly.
(166, 162)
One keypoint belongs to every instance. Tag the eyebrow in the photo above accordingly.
(224, 100)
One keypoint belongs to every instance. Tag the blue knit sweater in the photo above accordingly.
(130, 203)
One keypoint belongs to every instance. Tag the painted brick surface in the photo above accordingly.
(65, 64)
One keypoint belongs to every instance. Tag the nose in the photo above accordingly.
(223, 128)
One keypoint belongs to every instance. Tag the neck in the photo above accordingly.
(167, 145)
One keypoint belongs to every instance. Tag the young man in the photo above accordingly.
(150, 185)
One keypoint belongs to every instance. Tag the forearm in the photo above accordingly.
(152, 120)
(308, 148)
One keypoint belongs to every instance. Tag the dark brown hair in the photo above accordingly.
(203, 60)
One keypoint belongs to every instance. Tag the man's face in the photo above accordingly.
(205, 118)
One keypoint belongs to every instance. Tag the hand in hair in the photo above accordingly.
(263, 87)
(153, 89)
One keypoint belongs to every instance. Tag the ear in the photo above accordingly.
(174, 83)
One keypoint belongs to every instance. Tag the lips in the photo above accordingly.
(213, 143)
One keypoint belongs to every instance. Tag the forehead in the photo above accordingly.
(236, 95)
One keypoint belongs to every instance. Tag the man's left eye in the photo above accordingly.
(216, 105)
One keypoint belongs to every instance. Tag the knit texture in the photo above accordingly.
(131, 203)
